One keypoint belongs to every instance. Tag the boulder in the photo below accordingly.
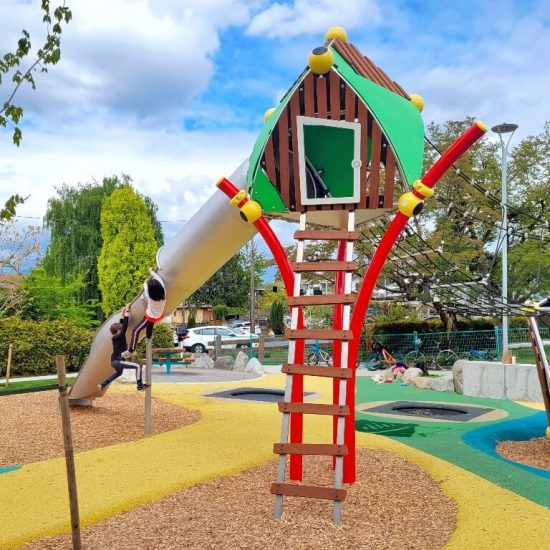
(202, 361)
(224, 362)
(241, 362)
(410, 373)
(458, 376)
(442, 383)
(254, 366)
(421, 382)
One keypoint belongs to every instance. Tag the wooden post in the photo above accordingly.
(218, 346)
(69, 453)
(261, 348)
(148, 400)
(8, 367)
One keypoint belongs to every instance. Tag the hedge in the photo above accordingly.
(36, 343)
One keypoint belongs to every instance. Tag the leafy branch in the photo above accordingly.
(48, 54)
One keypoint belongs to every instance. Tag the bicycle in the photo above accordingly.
(381, 357)
(445, 358)
(319, 356)
(481, 355)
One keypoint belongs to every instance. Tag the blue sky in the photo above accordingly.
(173, 93)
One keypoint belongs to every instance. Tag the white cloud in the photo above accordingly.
(313, 16)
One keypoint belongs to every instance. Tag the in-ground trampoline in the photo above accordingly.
(269, 395)
(428, 410)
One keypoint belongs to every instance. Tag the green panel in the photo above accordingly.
(265, 193)
(399, 119)
(330, 150)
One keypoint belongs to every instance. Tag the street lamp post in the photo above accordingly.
(500, 129)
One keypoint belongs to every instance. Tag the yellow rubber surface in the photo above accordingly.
(230, 437)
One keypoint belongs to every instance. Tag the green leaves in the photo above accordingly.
(48, 54)
(8, 211)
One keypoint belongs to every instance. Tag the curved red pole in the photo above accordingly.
(430, 179)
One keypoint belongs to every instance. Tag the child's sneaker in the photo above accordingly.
(126, 354)
(141, 387)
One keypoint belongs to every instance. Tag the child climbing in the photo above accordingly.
(118, 330)
(155, 292)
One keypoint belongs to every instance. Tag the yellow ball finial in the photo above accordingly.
(417, 101)
(321, 60)
(548, 433)
(268, 113)
(336, 33)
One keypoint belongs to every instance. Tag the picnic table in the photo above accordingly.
(164, 357)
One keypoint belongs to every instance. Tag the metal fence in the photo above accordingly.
(479, 344)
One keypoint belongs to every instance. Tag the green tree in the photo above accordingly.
(276, 316)
(128, 250)
(73, 218)
(20, 248)
(49, 298)
(229, 285)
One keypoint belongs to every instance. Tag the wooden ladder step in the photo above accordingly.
(314, 408)
(329, 372)
(308, 491)
(326, 235)
(324, 449)
(318, 334)
(330, 265)
(323, 299)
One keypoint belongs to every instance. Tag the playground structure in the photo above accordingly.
(330, 157)
(541, 361)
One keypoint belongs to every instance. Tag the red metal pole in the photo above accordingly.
(397, 225)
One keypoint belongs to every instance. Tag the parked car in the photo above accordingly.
(198, 339)
(245, 326)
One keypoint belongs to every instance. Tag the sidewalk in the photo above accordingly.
(29, 378)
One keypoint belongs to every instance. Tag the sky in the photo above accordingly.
(173, 92)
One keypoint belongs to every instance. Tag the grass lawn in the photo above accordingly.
(31, 385)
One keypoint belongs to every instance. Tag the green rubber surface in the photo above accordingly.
(444, 439)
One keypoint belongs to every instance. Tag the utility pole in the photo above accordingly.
(504, 128)
(252, 290)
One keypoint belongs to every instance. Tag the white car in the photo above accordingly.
(245, 327)
(200, 339)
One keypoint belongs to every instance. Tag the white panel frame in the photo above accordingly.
(302, 121)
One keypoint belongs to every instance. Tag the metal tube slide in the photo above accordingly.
(201, 247)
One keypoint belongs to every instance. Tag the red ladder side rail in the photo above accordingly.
(430, 179)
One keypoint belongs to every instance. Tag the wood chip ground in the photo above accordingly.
(395, 504)
(535, 452)
(30, 424)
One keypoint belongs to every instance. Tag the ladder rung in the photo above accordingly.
(318, 334)
(329, 372)
(326, 235)
(325, 449)
(331, 265)
(322, 299)
(314, 408)
(308, 491)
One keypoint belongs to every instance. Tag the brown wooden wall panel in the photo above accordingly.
(284, 174)
(334, 96)
(294, 191)
(363, 117)
(309, 96)
(321, 93)
(350, 104)
(390, 178)
(270, 162)
(376, 146)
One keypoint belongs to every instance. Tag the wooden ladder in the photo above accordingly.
(296, 335)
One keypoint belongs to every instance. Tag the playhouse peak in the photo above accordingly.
(340, 139)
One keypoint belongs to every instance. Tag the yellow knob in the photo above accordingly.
(338, 33)
(410, 205)
(251, 211)
(321, 60)
(268, 113)
(417, 101)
